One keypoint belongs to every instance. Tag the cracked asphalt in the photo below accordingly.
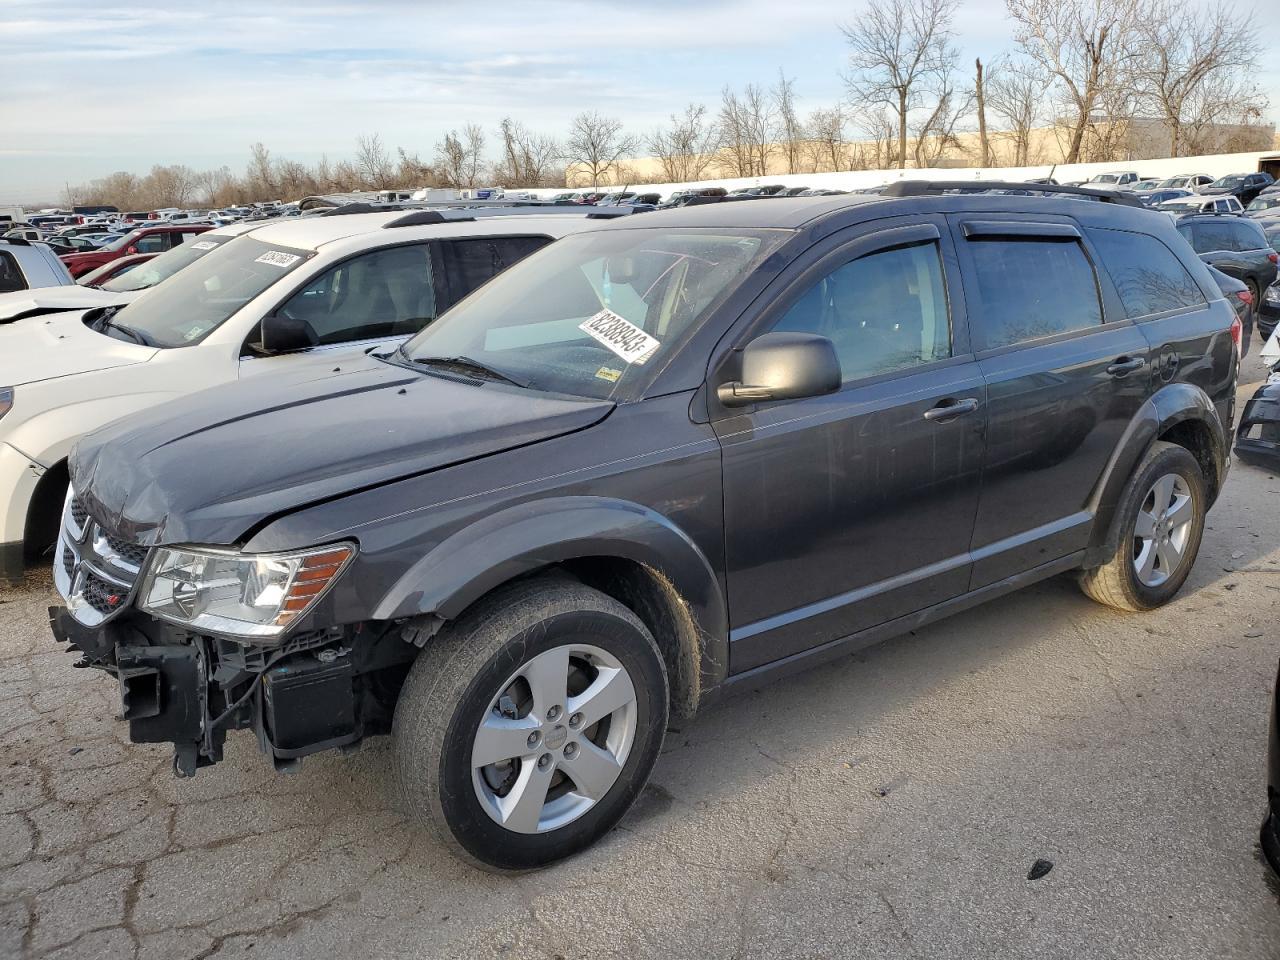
(890, 804)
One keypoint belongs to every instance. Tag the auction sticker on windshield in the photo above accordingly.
(621, 336)
(278, 258)
(203, 245)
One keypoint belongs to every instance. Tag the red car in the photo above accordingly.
(109, 271)
(149, 239)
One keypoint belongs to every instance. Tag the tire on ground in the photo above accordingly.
(461, 670)
(1115, 583)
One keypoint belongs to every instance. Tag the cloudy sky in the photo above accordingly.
(92, 87)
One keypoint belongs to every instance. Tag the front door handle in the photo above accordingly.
(951, 408)
(1125, 366)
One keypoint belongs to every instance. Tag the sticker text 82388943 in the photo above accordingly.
(621, 336)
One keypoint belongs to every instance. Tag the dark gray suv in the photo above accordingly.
(648, 464)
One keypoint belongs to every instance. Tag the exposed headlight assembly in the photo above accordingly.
(6, 400)
(248, 596)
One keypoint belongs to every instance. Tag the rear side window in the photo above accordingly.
(1030, 289)
(11, 277)
(471, 263)
(1147, 274)
(1247, 236)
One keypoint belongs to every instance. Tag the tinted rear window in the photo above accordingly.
(1147, 274)
(11, 278)
(1031, 289)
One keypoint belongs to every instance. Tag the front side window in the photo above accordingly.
(1030, 289)
(885, 311)
(152, 243)
(591, 313)
(1148, 276)
(385, 293)
(202, 297)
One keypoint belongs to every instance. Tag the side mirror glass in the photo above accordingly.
(784, 366)
(131, 250)
(284, 334)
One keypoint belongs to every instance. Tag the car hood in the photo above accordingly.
(70, 296)
(208, 467)
(60, 345)
(1213, 191)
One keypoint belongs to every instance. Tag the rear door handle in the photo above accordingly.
(1125, 366)
(951, 408)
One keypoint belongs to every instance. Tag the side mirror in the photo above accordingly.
(284, 334)
(131, 250)
(783, 366)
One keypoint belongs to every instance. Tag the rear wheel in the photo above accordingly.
(527, 730)
(1158, 524)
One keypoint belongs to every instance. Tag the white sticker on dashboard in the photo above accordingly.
(278, 258)
(203, 245)
(621, 336)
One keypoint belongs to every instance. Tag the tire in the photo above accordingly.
(1119, 582)
(471, 674)
(1251, 316)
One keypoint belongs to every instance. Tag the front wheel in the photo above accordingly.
(1159, 523)
(528, 729)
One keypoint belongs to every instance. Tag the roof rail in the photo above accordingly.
(920, 188)
(419, 218)
(16, 241)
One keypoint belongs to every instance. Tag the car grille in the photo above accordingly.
(97, 570)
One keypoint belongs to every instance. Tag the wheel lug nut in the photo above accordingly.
(575, 721)
(570, 751)
(553, 713)
(534, 738)
(544, 761)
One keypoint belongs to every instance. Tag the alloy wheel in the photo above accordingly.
(554, 740)
(1162, 530)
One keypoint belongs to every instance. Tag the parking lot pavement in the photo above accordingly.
(891, 804)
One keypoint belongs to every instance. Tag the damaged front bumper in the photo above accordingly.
(1258, 435)
(190, 690)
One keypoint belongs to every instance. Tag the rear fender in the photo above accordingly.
(1172, 405)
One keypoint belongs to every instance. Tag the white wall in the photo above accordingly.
(1215, 166)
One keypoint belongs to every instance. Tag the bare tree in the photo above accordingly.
(899, 48)
(1087, 46)
(1224, 115)
(375, 165)
(979, 96)
(460, 157)
(528, 159)
(747, 131)
(1184, 50)
(824, 140)
(686, 147)
(790, 130)
(935, 131)
(1014, 92)
(596, 143)
(261, 175)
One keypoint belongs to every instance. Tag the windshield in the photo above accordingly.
(124, 241)
(590, 313)
(1265, 202)
(1228, 183)
(165, 265)
(200, 298)
(1105, 178)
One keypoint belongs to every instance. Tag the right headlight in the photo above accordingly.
(6, 400)
(252, 597)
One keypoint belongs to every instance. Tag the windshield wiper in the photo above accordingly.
(105, 323)
(466, 365)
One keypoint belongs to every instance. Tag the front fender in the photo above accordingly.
(532, 535)
(1173, 404)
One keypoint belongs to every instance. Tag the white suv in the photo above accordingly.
(246, 308)
(25, 264)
